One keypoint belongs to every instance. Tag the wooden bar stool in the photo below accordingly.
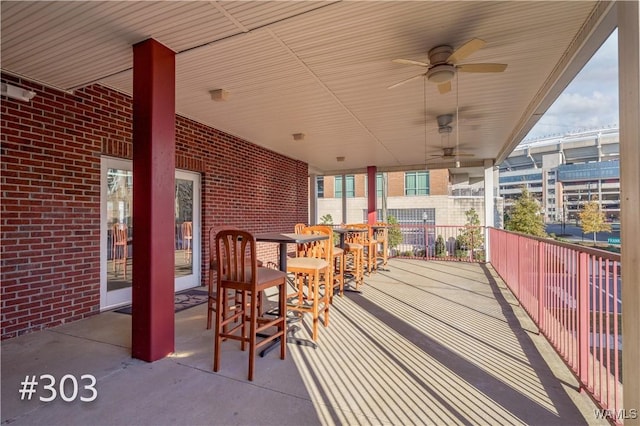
(187, 238)
(213, 268)
(338, 270)
(381, 236)
(238, 271)
(365, 238)
(353, 257)
(312, 270)
(120, 247)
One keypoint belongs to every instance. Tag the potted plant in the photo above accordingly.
(461, 248)
(440, 248)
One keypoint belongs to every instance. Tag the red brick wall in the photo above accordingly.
(50, 224)
(396, 184)
(439, 182)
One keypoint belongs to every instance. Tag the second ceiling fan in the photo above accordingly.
(448, 152)
(444, 62)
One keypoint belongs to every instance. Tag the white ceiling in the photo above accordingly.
(323, 68)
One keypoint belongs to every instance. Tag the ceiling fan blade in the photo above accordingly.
(463, 154)
(406, 81)
(482, 67)
(465, 50)
(410, 62)
(444, 87)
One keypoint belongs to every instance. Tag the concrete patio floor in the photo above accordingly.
(425, 343)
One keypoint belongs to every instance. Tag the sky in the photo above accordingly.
(590, 101)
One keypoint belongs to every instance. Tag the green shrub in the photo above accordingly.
(461, 248)
(441, 249)
(394, 235)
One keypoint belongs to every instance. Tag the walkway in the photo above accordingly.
(425, 343)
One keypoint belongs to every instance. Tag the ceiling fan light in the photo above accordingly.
(441, 73)
(444, 119)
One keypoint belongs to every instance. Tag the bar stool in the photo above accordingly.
(353, 257)
(213, 268)
(313, 262)
(381, 236)
(238, 271)
(120, 247)
(338, 270)
(369, 246)
(187, 238)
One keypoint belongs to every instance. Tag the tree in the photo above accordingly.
(525, 216)
(327, 219)
(471, 237)
(592, 219)
(395, 234)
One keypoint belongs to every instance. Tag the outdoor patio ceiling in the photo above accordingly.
(323, 68)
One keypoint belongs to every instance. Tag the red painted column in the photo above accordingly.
(371, 196)
(153, 200)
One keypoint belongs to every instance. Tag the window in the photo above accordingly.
(351, 187)
(320, 186)
(379, 184)
(416, 183)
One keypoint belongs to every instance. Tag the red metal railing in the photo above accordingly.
(573, 295)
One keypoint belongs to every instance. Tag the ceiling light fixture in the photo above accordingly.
(18, 93)
(339, 159)
(298, 136)
(441, 73)
(219, 95)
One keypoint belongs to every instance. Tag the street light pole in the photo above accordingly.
(424, 224)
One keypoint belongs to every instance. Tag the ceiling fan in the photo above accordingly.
(444, 62)
(448, 153)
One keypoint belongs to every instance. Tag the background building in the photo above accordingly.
(564, 172)
(428, 197)
(561, 172)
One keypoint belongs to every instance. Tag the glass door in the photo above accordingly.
(117, 232)
(187, 235)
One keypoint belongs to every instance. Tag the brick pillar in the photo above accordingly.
(153, 200)
(371, 195)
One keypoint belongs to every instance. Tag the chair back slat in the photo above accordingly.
(359, 235)
(236, 257)
(322, 249)
(120, 233)
(380, 234)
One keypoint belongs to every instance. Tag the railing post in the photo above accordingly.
(541, 295)
(583, 317)
(517, 251)
(473, 230)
